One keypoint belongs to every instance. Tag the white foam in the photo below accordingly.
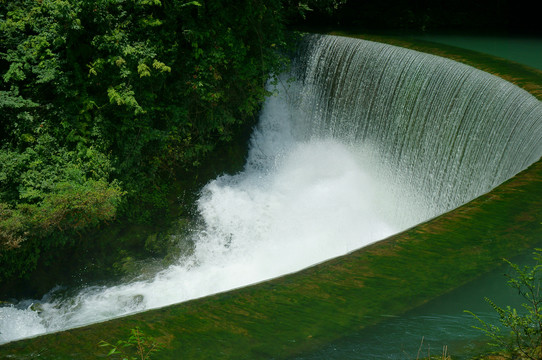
(19, 323)
(298, 202)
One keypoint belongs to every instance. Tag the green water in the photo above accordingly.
(430, 328)
(527, 51)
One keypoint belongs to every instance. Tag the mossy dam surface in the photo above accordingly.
(448, 158)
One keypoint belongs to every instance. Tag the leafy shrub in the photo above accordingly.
(46, 188)
(522, 337)
(137, 347)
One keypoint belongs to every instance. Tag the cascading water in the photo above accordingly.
(445, 130)
(368, 140)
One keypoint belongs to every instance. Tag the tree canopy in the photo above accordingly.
(101, 101)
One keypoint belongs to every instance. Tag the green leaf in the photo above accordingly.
(143, 70)
(191, 3)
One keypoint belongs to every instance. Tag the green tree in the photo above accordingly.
(104, 103)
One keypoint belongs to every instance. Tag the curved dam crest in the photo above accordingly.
(408, 135)
(446, 130)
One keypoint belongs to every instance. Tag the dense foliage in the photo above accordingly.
(102, 101)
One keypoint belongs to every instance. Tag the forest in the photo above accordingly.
(106, 106)
(105, 102)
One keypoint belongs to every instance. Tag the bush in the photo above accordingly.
(522, 337)
(138, 346)
(48, 188)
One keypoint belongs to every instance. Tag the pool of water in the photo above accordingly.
(440, 325)
(523, 50)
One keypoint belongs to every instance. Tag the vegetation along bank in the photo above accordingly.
(105, 104)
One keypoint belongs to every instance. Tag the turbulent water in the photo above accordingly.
(368, 140)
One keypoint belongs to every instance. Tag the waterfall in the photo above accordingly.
(367, 140)
(446, 130)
